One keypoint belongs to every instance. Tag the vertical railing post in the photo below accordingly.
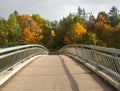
(117, 63)
(95, 57)
(76, 51)
(83, 53)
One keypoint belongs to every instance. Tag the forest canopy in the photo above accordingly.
(77, 28)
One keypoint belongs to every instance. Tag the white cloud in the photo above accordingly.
(55, 9)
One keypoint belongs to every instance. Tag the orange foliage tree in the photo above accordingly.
(103, 30)
(32, 33)
(28, 37)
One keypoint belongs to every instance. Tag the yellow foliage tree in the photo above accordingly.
(53, 33)
(75, 34)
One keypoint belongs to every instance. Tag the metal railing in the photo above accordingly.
(14, 55)
(105, 59)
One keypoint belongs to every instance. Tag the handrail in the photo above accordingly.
(4, 50)
(13, 55)
(104, 59)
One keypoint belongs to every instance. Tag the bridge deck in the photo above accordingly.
(55, 73)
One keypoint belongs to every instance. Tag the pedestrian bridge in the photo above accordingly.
(76, 68)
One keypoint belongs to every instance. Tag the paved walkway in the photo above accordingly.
(55, 73)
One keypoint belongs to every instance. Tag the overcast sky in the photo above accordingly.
(54, 9)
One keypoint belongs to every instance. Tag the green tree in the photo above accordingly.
(117, 36)
(43, 24)
(82, 13)
(14, 30)
(114, 16)
(115, 21)
(114, 11)
(3, 33)
(90, 38)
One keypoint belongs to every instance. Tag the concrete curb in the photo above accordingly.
(9, 73)
(108, 78)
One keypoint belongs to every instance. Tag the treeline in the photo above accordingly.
(77, 28)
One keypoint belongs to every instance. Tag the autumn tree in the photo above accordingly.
(81, 27)
(64, 28)
(46, 26)
(75, 34)
(90, 38)
(31, 27)
(25, 21)
(28, 36)
(103, 30)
